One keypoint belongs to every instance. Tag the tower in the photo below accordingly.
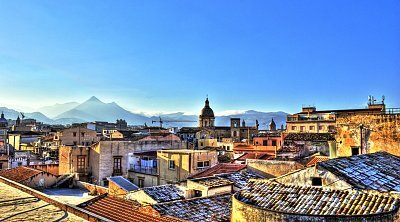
(272, 125)
(206, 117)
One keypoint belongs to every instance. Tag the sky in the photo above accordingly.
(167, 56)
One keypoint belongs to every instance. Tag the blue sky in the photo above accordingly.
(168, 55)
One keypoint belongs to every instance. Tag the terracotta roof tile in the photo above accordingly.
(274, 196)
(121, 210)
(19, 174)
(317, 159)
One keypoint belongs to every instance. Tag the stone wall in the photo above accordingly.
(273, 168)
(49, 168)
(380, 133)
(304, 178)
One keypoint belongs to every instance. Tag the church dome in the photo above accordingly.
(3, 121)
(207, 111)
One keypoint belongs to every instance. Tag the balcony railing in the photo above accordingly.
(144, 170)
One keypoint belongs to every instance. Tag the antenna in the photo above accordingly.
(383, 99)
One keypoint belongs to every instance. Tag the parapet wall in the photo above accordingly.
(63, 206)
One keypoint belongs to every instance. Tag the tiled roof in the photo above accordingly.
(309, 137)
(164, 193)
(274, 196)
(240, 179)
(120, 210)
(256, 156)
(376, 171)
(317, 159)
(212, 181)
(215, 208)
(218, 169)
(19, 174)
(123, 183)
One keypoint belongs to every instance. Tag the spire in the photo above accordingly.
(207, 103)
(2, 114)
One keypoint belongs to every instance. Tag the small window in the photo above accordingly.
(316, 181)
(294, 128)
(82, 134)
(74, 134)
(312, 128)
(141, 181)
(203, 164)
(273, 142)
(265, 142)
(171, 164)
(302, 128)
(321, 127)
(355, 150)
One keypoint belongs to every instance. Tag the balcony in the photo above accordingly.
(143, 169)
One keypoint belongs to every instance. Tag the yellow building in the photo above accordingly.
(177, 165)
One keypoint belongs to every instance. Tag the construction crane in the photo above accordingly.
(170, 121)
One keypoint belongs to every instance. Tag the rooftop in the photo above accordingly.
(120, 210)
(212, 181)
(184, 151)
(19, 174)
(273, 196)
(240, 179)
(317, 159)
(220, 168)
(19, 206)
(123, 183)
(215, 208)
(309, 137)
(164, 193)
(376, 171)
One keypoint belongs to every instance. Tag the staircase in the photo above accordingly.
(63, 178)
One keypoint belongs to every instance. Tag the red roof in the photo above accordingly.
(256, 155)
(121, 210)
(19, 174)
(220, 168)
(317, 159)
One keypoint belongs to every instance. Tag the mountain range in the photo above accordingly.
(94, 109)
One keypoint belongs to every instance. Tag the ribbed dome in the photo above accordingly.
(207, 111)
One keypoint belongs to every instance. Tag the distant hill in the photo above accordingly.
(94, 109)
(57, 109)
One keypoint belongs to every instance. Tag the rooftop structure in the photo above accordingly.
(212, 182)
(376, 171)
(241, 178)
(157, 194)
(123, 183)
(218, 169)
(276, 198)
(215, 208)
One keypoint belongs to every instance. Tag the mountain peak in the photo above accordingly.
(93, 99)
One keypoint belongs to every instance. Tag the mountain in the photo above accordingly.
(95, 110)
(13, 114)
(57, 109)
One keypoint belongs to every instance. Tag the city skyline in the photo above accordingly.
(166, 57)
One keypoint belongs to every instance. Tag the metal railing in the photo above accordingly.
(144, 170)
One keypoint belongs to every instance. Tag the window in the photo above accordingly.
(81, 164)
(201, 143)
(197, 193)
(316, 181)
(83, 134)
(320, 127)
(312, 128)
(141, 181)
(294, 128)
(265, 142)
(203, 164)
(171, 164)
(117, 170)
(234, 134)
(302, 128)
(355, 150)
(74, 134)
(75, 143)
(273, 142)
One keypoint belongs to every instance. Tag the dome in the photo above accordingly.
(207, 111)
(3, 121)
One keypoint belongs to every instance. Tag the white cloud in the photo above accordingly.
(230, 112)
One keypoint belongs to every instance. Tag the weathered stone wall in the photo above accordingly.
(273, 168)
(304, 178)
(380, 133)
